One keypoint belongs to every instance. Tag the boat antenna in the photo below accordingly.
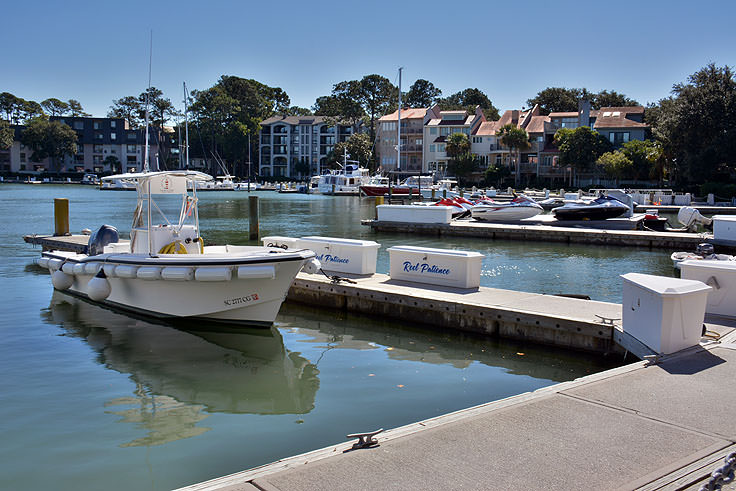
(398, 127)
(186, 125)
(148, 96)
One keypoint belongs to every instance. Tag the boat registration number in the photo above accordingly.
(240, 300)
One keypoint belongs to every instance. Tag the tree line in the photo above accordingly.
(692, 140)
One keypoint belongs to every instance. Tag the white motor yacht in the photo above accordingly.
(346, 181)
(166, 270)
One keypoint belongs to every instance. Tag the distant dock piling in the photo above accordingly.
(253, 218)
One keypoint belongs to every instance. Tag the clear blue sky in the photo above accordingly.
(98, 51)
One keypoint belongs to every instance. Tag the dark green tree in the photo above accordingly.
(358, 148)
(49, 139)
(297, 111)
(54, 107)
(160, 108)
(615, 164)
(644, 156)
(468, 99)
(605, 98)
(496, 175)
(697, 125)
(557, 99)
(114, 164)
(127, 108)
(422, 93)
(30, 110)
(75, 109)
(462, 163)
(516, 139)
(6, 135)
(581, 147)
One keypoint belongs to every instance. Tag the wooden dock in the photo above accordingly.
(547, 233)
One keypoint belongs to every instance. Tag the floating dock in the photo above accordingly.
(652, 426)
(535, 232)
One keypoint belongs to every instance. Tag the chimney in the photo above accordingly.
(584, 112)
(515, 117)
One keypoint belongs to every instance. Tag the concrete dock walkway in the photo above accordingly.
(642, 426)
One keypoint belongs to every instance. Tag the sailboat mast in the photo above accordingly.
(186, 124)
(398, 127)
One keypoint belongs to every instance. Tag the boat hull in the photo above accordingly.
(503, 213)
(588, 213)
(243, 293)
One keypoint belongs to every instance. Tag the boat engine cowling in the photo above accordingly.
(689, 217)
(704, 249)
(106, 234)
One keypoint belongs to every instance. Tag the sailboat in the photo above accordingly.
(166, 271)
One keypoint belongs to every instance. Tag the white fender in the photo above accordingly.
(68, 268)
(213, 274)
(61, 280)
(55, 264)
(126, 271)
(98, 288)
(43, 262)
(255, 272)
(92, 268)
(79, 269)
(177, 273)
(312, 266)
(149, 273)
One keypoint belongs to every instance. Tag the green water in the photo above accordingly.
(94, 399)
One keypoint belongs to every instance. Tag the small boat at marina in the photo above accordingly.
(343, 182)
(519, 208)
(166, 271)
(703, 252)
(601, 208)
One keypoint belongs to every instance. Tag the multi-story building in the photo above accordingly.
(436, 131)
(618, 124)
(285, 141)
(98, 139)
(412, 139)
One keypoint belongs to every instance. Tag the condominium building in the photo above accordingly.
(104, 146)
(412, 139)
(436, 131)
(286, 141)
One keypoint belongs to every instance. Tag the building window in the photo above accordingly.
(131, 136)
(131, 148)
(113, 136)
(433, 131)
(419, 141)
(22, 157)
(432, 148)
(79, 125)
(477, 139)
(618, 137)
(112, 124)
(80, 148)
(97, 148)
(97, 125)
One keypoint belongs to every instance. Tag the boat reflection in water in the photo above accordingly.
(181, 375)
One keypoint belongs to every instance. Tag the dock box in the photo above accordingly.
(444, 267)
(277, 241)
(666, 314)
(719, 275)
(414, 213)
(724, 229)
(343, 255)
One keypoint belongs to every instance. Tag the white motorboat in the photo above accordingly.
(166, 271)
(519, 208)
(345, 181)
(703, 252)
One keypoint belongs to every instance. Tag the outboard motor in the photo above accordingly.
(704, 250)
(689, 217)
(106, 234)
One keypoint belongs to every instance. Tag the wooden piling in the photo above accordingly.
(61, 216)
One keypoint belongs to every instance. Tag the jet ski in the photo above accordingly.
(601, 208)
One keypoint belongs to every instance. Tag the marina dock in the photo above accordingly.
(666, 425)
(535, 232)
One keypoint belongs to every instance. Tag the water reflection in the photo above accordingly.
(435, 346)
(180, 375)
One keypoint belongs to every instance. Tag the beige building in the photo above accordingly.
(412, 139)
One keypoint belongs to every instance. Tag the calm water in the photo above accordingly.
(93, 399)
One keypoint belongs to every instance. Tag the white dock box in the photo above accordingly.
(445, 267)
(414, 213)
(724, 229)
(665, 314)
(343, 255)
(277, 241)
(719, 275)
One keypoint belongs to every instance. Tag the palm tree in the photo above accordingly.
(516, 139)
